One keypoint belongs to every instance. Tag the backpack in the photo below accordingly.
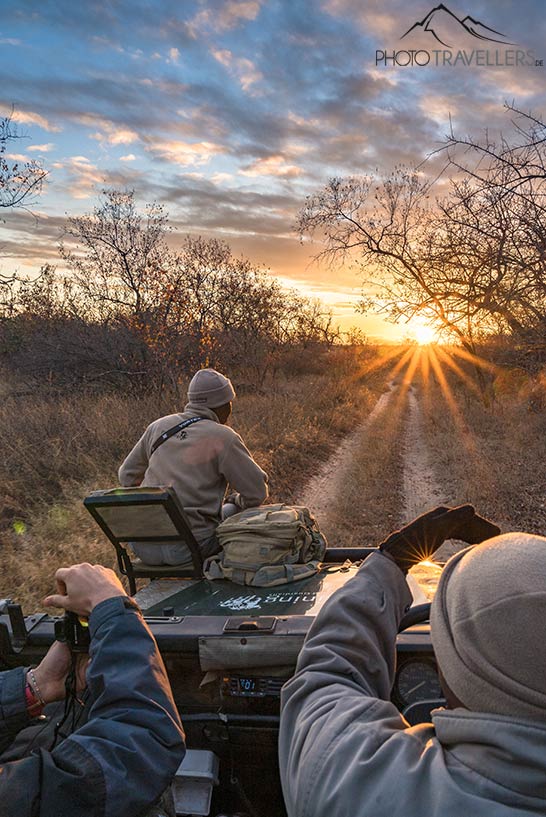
(267, 546)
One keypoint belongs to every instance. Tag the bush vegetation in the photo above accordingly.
(58, 448)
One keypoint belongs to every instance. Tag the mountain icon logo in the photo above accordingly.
(441, 24)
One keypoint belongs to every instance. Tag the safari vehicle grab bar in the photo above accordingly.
(261, 624)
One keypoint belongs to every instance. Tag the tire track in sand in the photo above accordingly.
(422, 491)
(319, 495)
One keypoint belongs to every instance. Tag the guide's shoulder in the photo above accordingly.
(166, 422)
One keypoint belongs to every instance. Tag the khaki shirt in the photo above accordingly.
(199, 463)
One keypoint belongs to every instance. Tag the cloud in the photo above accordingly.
(272, 166)
(229, 16)
(174, 55)
(109, 132)
(219, 178)
(130, 157)
(31, 238)
(42, 148)
(83, 177)
(184, 153)
(236, 10)
(28, 118)
(10, 41)
(17, 157)
(240, 67)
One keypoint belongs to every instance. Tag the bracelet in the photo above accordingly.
(33, 705)
(35, 687)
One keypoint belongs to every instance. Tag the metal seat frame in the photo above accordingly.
(138, 497)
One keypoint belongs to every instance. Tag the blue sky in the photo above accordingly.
(231, 112)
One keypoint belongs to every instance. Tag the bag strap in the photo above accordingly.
(172, 431)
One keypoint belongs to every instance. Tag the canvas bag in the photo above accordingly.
(267, 546)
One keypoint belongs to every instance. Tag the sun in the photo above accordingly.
(424, 334)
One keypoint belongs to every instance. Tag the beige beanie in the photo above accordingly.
(210, 388)
(488, 626)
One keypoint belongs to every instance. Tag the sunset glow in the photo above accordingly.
(231, 113)
(424, 334)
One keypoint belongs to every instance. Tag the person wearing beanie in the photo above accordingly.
(198, 455)
(346, 750)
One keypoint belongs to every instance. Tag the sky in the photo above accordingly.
(231, 112)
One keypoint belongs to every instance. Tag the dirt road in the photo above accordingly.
(421, 487)
(321, 491)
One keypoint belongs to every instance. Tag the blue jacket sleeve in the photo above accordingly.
(127, 752)
(13, 713)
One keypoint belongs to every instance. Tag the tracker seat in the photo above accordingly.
(149, 516)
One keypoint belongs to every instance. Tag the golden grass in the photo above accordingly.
(492, 456)
(369, 501)
(55, 450)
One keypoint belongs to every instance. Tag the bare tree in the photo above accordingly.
(117, 254)
(20, 181)
(471, 261)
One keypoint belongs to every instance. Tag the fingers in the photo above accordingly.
(81, 587)
(481, 529)
(468, 526)
(56, 601)
(461, 514)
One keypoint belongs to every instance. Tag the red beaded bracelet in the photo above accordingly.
(33, 705)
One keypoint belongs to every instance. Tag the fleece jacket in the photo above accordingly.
(199, 463)
(345, 749)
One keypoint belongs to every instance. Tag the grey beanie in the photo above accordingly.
(210, 388)
(488, 626)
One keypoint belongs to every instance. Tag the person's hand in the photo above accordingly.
(81, 587)
(50, 674)
(233, 498)
(422, 537)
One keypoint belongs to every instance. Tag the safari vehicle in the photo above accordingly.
(228, 649)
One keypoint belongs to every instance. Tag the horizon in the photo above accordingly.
(231, 112)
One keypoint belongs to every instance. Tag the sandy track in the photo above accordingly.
(422, 487)
(319, 493)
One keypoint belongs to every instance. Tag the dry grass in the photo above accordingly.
(368, 503)
(492, 457)
(54, 451)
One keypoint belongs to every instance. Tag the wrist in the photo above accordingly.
(35, 698)
(403, 564)
(98, 598)
(32, 704)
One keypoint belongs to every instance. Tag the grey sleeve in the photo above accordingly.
(132, 470)
(243, 474)
(336, 710)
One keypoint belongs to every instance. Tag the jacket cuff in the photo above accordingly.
(13, 704)
(110, 608)
(388, 575)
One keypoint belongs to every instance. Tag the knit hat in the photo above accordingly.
(488, 626)
(210, 388)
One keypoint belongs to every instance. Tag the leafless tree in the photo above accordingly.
(20, 181)
(471, 261)
(117, 254)
(132, 307)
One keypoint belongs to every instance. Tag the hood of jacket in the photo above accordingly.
(505, 752)
(193, 410)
